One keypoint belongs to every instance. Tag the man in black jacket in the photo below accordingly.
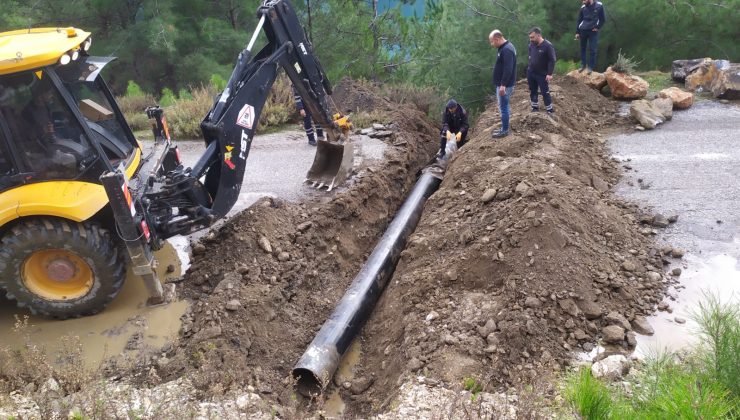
(454, 124)
(504, 77)
(539, 71)
(591, 18)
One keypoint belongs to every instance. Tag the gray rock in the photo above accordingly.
(233, 305)
(653, 276)
(599, 184)
(283, 256)
(631, 339)
(522, 188)
(207, 334)
(613, 334)
(361, 384)
(665, 106)
(629, 266)
(486, 329)
(532, 302)
(381, 134)
(676, 271)
(660, 221)
(642, 326)
(682, 68)
(264, 243)
(450, 339)
(591, 309)
(432, 316)
(377, 126)
(679, 320)
(304, 226)
(199, 249)
(618, 319)
(677, 252)
(488, 195)
(673, 218)
(366, 131)
(415, 364)
(611, 368)
(503, 195)
(569, 307)
(646, 113)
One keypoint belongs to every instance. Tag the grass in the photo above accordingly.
(658, 80)
(703, 383)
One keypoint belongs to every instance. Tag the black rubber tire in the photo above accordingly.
(88, 240)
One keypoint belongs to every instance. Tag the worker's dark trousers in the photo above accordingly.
(539, 82)
(443, 141)
(308, 126)
(592, 39)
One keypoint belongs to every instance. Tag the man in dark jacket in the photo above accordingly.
(307, 120)
(591, 18)
(454, 124)
(504, 77)
(539, 71)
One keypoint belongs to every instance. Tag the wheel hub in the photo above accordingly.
(61, 270)
(57, 274)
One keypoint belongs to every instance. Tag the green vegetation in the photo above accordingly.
(624, 64)
(189, 43)
(702, 384)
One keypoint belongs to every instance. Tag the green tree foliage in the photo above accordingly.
(178, 44)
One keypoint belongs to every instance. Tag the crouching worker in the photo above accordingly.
(454, 126)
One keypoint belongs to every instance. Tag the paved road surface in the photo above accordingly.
(690, 166)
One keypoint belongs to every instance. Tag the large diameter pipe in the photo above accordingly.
(317, 365)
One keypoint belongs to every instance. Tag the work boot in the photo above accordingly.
(589, 71)
(312, 142)
(499, 134)
(581, 69)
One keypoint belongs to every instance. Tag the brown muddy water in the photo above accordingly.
(127, 325)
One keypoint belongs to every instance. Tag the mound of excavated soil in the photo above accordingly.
(264, 282)
(521, 258)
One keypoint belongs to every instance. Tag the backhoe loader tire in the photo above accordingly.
(61, 269)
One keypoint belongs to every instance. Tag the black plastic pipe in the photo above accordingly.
(317, 365)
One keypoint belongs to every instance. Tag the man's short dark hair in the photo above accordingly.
(536, 30)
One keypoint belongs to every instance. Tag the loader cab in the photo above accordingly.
(57, 124)
(60, 122)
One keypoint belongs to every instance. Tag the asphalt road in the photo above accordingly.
(690, 167)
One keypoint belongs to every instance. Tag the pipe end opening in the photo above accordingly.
(307, 383)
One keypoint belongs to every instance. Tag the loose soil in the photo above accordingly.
(521, 258)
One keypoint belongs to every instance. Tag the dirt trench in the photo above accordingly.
(268, 278)
(520, 260)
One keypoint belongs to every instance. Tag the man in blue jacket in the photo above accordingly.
(539, 71)
(504, 77)
(590, 20)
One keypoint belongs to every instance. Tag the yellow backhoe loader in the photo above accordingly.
(79, 201)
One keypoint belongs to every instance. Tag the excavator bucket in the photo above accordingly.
(331, 165)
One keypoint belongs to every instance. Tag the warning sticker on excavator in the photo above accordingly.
(246, 117)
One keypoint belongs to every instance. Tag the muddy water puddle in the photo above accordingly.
(334, 405)
(127, 325)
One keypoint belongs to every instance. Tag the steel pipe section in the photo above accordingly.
(318, 364)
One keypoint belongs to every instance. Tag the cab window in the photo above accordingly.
(47, 135)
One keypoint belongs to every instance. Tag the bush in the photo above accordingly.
(421, 97)
(134, 90)
(588, 396)
(565, 66)
(624, 64)
(719, 332)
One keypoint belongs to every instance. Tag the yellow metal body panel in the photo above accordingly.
(73, 200)
(27, 49)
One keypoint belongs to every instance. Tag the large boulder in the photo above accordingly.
(647, 113)
(701, 78)
(680, 98)
(682, 68)
(664, 106)
(726, 84)
(625, 86)
(594, 80)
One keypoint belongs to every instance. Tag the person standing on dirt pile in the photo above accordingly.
(454, 124)
(539, 71)
(308, 124)
(591, 18)
(504, 77)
